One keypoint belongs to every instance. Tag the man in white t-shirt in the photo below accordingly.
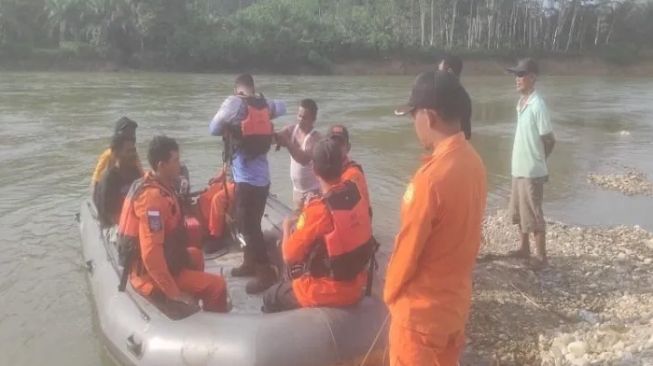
(299, 139)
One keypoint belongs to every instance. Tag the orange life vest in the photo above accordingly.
(346, 251)
(254, 137)
(174, 245)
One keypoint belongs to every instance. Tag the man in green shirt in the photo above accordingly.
(534, 141)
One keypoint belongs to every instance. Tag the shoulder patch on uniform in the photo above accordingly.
(301, 221)
(154, 220)
(409, 195)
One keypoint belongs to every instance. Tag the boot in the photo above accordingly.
(247, 269)
(266, 276)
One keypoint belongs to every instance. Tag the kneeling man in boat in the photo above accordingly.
(328, 253)
(152, 223)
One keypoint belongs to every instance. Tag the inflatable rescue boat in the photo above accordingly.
(137, 331)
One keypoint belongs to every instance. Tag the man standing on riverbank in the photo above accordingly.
(454, 64)
(534, 141)
(428, 285)
(244, 120)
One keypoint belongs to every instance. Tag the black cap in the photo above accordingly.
(126, 127)
(328, 159)
(339, 132)
(440, 91)
(527, 65)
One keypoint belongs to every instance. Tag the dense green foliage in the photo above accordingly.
(285, 34)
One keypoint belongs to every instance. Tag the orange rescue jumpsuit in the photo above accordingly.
(354, 173)
(429, 278)
(214, 204)
(313, 224)
(158, 213)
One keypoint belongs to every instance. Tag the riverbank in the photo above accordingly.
(629, 181)
(566, 66)
(592, 306)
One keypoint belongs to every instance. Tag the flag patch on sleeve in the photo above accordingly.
(154, 220)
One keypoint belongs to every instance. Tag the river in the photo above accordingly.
(54, 125)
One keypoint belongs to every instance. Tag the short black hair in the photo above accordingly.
(309, 105)
(340, 133)
(454, 62)
(160, 150)
(245, 80)
(328, 159)
(118, 140)
(125, 126)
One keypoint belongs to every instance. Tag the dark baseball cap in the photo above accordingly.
(440, 91)
(525, 65)
(328, 159)
(340, 132)
(125, 126)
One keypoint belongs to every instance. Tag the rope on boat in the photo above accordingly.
(376, 339)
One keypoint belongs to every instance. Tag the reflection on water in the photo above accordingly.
(53, 126)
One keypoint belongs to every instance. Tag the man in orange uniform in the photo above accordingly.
(429, 278)
(328, 253)
(351, 170)
(152, 219)
(214, 205)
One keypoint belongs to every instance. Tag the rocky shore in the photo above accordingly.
(593, 305)
(630, 182)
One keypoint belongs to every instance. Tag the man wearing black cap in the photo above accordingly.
(126, 128)
(534, 141)
(328, 253)
(428, 284)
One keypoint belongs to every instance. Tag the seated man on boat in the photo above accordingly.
(111, 190)
(124, 127)
(214, 205)
(352, 170)
(152, 223)
(328, 253)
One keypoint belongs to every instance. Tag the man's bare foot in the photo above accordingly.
(537, 263)
(519, 253)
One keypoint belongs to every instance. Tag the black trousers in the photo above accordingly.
(280, 297)
(250, 205)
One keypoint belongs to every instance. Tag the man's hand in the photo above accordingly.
(283, 140)
(284, 136)
(549, 142)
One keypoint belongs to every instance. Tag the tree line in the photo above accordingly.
(281, 34)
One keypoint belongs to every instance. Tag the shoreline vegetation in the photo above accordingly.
(326, 37)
